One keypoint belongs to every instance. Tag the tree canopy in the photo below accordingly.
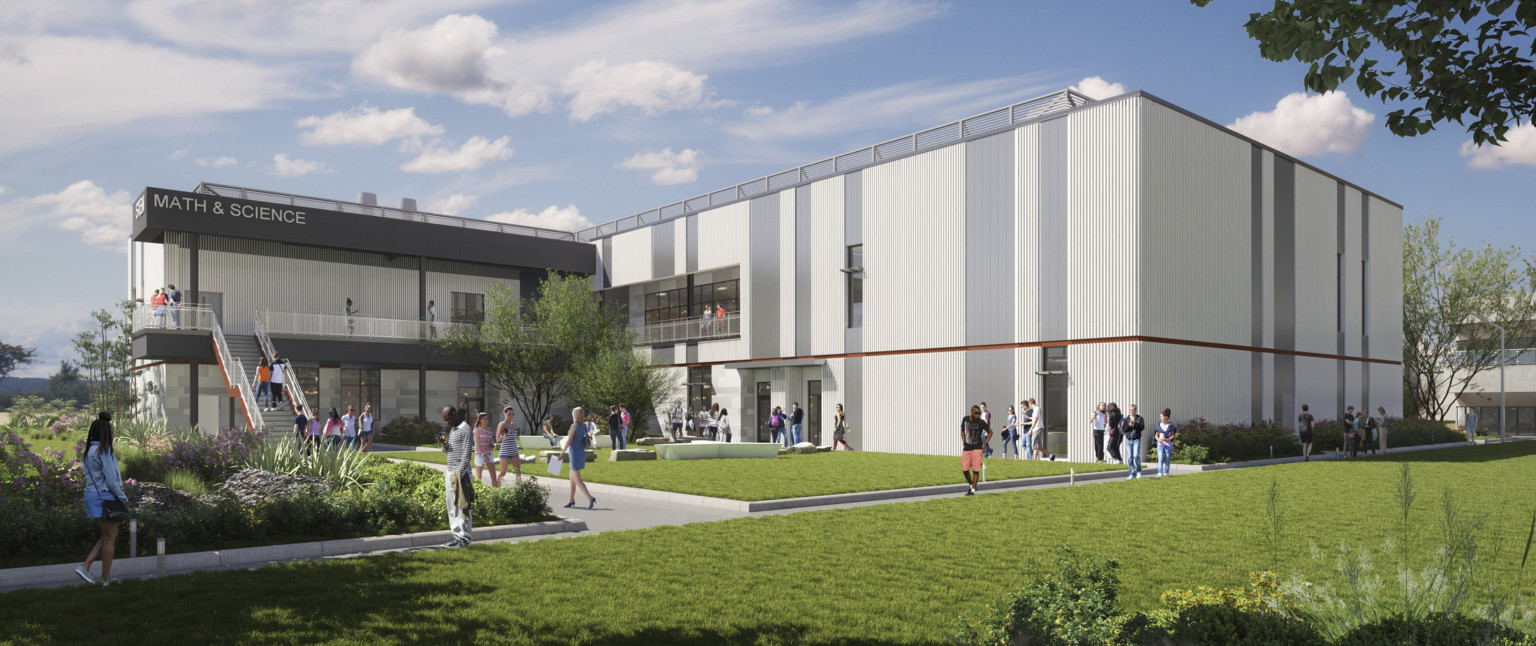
(13, 357)
(1467, 61)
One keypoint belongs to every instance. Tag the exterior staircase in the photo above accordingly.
(237, 378)
(292, 391)
(248, 352)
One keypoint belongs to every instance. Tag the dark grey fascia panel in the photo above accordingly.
(607, 264)
(990, 220)
(763, 299)
(663, 243)
(201, 213)
(853, 208)
(691, 260)
(1050, 263)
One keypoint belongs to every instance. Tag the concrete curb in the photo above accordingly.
(1323, 456)
(146, 566)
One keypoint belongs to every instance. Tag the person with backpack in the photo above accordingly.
(840, 429)
(1304, 427)
(776, 428)
(104, 498)
(1113, 420)
(279, 370)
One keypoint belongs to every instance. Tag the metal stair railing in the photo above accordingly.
(290, 382)
(235, 378)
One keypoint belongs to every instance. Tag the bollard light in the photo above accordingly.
(160, 556)
(133, 537)
(1072, 477)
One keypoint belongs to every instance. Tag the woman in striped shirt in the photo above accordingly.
(506, 433)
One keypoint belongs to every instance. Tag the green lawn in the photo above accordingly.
(894, 573)
(792, 476)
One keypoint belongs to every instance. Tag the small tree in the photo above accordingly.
(13, 357)
(1444, 345)
(106, 356)
(619, 374)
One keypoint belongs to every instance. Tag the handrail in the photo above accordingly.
(229, 363)
(342, 325)
(178, 317)
(696, 328)
(274, 197)
(1004, 117)
(291, 382)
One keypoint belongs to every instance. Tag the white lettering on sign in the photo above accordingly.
(249, 211)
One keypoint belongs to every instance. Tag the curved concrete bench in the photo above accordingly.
(716, 450)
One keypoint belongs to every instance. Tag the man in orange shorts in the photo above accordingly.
(975, 433)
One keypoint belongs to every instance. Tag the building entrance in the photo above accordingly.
(764, 408)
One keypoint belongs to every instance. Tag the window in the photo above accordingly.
(855, 271)
(471, 394)
(669, 305)
(468, 308)
(726, 293)
(359, 388)
(674, 304)
(309, 382)
(701, 388)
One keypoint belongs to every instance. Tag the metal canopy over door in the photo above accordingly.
(764, 408)
(813, 412)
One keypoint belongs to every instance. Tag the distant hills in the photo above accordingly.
(17, 385)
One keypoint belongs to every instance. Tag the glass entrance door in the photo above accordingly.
(764, 407)
(813, 411)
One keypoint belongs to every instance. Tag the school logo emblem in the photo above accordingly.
(138, 208)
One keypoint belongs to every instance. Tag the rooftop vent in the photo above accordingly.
(407, 204)
(368, 199)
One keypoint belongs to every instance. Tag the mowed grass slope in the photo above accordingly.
(792, 476)
(893, 573)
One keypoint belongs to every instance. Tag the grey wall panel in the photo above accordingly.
(802, 272)
(607, 265)
(691, 253)
(663, 260)
(665, 355)
(1285, 289)
(1050, 261)
(990, 219)
(853, 208)
(989, 376)
(762, 304)
(853, 400)
(1256, 276)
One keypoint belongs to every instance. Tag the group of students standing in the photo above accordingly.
(351, 430)
(1363, 433)
(1115, 433)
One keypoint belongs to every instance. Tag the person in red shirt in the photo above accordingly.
(158, 302)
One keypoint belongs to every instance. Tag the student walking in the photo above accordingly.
(506, 434)
(1026, 427)
(1351, 434)
(1037, 431)
(776, 428)
(1099, 422)
(431, 318)
(1112, 444)
(103, 490)
(575, 445)
(974, 434)
(264, 384)
(677, 420)
(986, 416)
(1471, 423)
(365, 428)
(1131, 427)
(796, 423)
(725, 424)
(301, 429)
(1368, 426)
(615, 426)
(458, 489)
(314, 433)
(840, 429)
(1381, 430)
(1305, 424)
(1011, 433)
(624, 430)
(1164, 436)
(714, 422)
(333, 428)
(279, 374)
(485, 439)
(349, 429)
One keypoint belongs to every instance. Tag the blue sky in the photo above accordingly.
(567, 113)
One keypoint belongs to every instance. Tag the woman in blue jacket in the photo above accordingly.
(103, 481)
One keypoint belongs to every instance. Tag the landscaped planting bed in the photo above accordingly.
(793, 476)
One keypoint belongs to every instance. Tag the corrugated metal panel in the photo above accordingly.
(1194, 382)
(989, 379)
(1100, 372)
(1387, 386)
(680, 246)
(990, 255)
(1106, 215)
(761, 302)
(786, 249)
(1196, 232)
(1317, 385)
(1316, 257)
(1267, 298)
(913, 403)
(1353, 253)
(632, 257)
(1049, 251)
(829, 286)
(1026, 283)
(1386, 299)
(914, 245)
(723, 236)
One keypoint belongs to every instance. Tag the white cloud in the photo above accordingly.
(553, 217)
(913, 104)
(669, 167)
(290, 26)
(101, 218)
(652, 86)
(1519, 147)
(285, 167)
(1305, 125)
(47, 324)
(70, 87)
(643, 54)
(180, 154)
(453, 204)
(217, 162)
(439, 158)
(1098, 88)
(366, 125)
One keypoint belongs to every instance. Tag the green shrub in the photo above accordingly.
(33, 412)
(521, 503)
(138, 464)
(1072, 603)
(1259, 614)
(1433, 630)
(1419, 432)
(1235, 442)
(402, 477)
(186, 481)
(414, 431)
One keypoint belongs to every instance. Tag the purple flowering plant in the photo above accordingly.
(50, 478)
(212, 457)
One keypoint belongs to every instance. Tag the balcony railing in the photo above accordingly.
(166, 317)
(700, 328)
(341, 325)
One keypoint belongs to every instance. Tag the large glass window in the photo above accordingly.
(471, 394)
(359, 388)
(309, 382)
(673, 304)
(468, 308)
(701, 388)
(669, 305)
(855, 271)
(712, 296)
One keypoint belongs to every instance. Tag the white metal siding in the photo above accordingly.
(914, 238)
(1317, 385)
(1195, 382)
(1105, 214)
(1026, 232)
(1317, 232)
(1196, 231)
(786, 245)
(722, 237)
(631, 261)
(1267, 282)
(913, 403)
(1386, 269)
(1353, 253)
(1099, 372)
(829, 286)
(1387, 387)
